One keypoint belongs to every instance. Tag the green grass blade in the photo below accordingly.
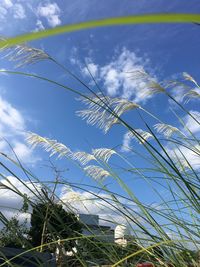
(116, 21)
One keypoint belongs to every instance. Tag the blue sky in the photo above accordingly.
(31, 105)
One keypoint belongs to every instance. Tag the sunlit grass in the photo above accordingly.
(116, 21)
(173, 224)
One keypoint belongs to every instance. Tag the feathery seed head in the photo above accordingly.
(166, 129)
(48, 145)
(152, 88)
(104, 111)
(192, 94)
(25, 55)
(149, 84)
(99, 118)
(138, 74)
(103, 154)
(189, 78)
(96, 172)
(82, 157)
(141, 135)
(121, 105)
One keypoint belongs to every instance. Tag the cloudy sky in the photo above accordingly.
(111, 55)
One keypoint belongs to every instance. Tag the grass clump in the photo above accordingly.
(166, 232)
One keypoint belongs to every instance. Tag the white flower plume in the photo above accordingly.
(141, 135)
(25, 55)
(82, 157)
(149, 86)
(154, 88)
(166, 129)
(103, 154)
(121, 105)
(192, 94)
(48, 145)
(96, 172)
(104, 111)
(188, 77)
(101, 119)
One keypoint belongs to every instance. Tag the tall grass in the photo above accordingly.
(115, 21)
(161, 233)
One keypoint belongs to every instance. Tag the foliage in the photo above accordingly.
(188, 256)
(161, 234)
(14, 234)
(51, 222)
(97, 251)
(137, 19)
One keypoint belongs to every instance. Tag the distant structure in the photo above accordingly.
(91, 226)
(26, 259)
(122, 235)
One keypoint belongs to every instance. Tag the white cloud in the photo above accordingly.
(12, 127)
(9, 116)
(22, 151)
(112, 79)
(86, 202)
(6, 3)
(190, 123)
(51, 12)
(117, 76)
(11, 202)
(3, 12)
(93, 69)
(39, 26)
(2, 144)
(184, 155)
(190, 154)
(24, 187)
(177, 92)
(126, 142)
(14, 9)
(19, 11)
(79, 202)
(74, 59)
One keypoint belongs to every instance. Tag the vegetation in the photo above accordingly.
(166, 233)
(13, 234)
(49, 222)
(137, 19)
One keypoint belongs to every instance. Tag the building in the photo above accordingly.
(122, 235)
(91, 226)
(23, 258)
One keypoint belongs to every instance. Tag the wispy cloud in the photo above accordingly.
(11, 202)
(19, 11)
(126, 142)
(78, 201)
(118, 75)
(51, 12)
(190, 123)
(91, 68)
(10, 8)
(86, 202)
(6, 3)
(12, 127)
(189, 151)
(39, 26)
(142, 137)
(183, 155)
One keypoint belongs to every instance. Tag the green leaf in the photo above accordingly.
(128, 20)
